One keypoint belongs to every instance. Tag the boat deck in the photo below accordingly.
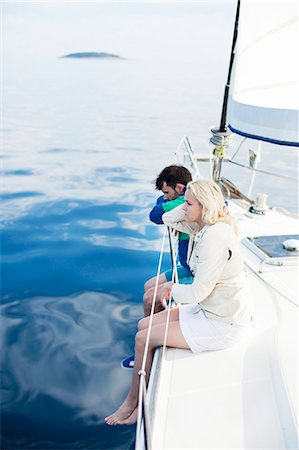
(244, 397)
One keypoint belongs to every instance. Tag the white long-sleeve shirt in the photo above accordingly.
(220, 283)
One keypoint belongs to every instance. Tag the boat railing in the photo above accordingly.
(186, 155)
(184, 150)
(254, 160)
(143, 429)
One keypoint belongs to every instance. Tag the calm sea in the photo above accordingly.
(83, 142)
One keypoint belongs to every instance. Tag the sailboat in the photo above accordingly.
(244, 397)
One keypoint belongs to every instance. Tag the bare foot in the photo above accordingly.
(131, 419)
(123, 413)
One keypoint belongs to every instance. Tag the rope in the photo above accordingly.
(173, 256)
(142, 372)
(166, 329)
(142, 399)
(174, 278)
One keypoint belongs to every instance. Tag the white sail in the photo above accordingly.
(264, 93)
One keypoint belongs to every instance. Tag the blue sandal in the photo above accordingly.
(128, 363)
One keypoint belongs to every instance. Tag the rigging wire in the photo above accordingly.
(239, 147)
(264, 171)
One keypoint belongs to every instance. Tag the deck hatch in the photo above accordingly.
(271, 246)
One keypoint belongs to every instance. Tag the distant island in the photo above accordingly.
(92, 55)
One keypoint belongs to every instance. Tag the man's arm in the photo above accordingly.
(157, 211)
(163, 206)
(176, 219)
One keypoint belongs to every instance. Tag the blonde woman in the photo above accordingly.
(216, 308)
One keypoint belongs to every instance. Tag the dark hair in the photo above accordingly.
(172, 175)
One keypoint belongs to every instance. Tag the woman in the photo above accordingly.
(217, 306)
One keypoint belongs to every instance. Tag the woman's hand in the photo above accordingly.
(165, 293)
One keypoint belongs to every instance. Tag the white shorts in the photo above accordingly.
(202, 333)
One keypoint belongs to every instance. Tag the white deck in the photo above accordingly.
(244, 397)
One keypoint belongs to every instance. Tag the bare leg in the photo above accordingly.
(151, 283)
(131, 419)
(159, 318)
(126, 414)
(148, 300)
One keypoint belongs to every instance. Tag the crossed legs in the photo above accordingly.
(127, 412)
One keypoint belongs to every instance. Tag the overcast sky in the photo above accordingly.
(130, 29)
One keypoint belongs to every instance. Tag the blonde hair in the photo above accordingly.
(209, 195)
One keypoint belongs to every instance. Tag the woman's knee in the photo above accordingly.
(147, 293)
(143, 324)
(149, 284)
(148, 297)
(140, 340)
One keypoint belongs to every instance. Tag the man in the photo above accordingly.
(172, 181)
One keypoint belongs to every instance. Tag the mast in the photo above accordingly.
(222, 137)
(223, 125)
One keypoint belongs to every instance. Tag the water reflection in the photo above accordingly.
(129, 243)
(61, 179)
(57, 361)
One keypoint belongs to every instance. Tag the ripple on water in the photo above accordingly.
(61, 348)
(17, 172)
(20, 194)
